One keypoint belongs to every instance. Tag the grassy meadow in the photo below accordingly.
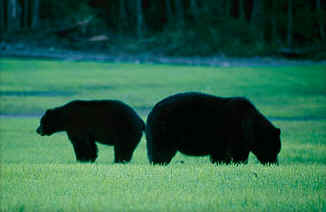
(41, 174)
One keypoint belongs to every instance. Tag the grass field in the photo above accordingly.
(40, 173)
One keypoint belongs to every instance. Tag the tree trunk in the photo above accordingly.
(274, 20)
(228, 6)
(123, 16)
(241, 10)
(194, 9)
(35, 13)
(290, 23)
(2, 17)
(13, 14)
(169, 14)
(258, 18)
(26, 14)
(179, 11)
(270, 29)
(321, 20)
(139, 19)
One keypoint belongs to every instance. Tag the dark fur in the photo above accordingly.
(108, 122)
(197, 124)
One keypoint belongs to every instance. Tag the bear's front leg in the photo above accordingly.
(85, 148)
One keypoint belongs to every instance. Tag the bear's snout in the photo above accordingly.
(39, 130)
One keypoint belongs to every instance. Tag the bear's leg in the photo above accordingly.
(221, 158)
(84, 147)
(239, 143)
(159, 152)
(162, 156)
(161, 145)
(240, 156)
(219, 151)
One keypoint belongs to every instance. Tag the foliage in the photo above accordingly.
(71, 14)
(68, 9)
(208, 39)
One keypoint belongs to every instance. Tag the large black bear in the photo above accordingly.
(108, 122)
(198, 124)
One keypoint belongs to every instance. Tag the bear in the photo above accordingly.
(226, 129)
(109, 122)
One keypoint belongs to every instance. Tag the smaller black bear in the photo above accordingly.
(197, 124)
(109, 122)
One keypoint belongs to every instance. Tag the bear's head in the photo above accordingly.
(268, 146)
(50, 123)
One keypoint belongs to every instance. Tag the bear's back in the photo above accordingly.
(99, 113)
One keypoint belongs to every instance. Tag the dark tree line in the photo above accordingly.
(289, 23)
(17, 15)
(271, 19)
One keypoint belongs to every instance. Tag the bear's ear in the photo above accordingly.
(48, 112)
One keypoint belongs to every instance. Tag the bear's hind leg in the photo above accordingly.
(221, 158)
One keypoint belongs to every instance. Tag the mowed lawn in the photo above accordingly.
(41, 174)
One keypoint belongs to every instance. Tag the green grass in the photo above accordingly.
(137, 187)
(277, 91)
(40, 173)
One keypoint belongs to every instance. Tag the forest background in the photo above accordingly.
(245, 28)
